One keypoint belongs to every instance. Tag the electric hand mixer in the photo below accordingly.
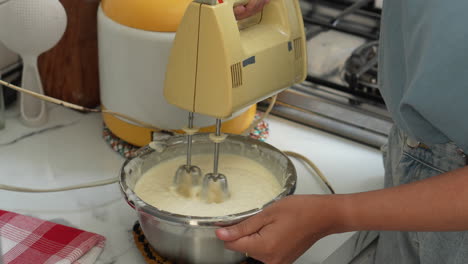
(219, 66)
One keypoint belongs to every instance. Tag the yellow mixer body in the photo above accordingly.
(218, 65)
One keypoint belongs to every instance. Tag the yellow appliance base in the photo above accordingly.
(140, 136)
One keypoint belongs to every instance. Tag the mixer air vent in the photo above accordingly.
(298, 48)
(236, 75)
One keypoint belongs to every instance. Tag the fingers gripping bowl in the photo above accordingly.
(192, 239)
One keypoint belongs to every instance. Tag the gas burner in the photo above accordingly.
(344, 99)
(360, 71)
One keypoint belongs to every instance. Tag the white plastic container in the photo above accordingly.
(132, 65)
(134, 47)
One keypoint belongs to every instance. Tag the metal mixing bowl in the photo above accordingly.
(190, 239)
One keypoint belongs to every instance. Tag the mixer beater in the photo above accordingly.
(215, 186)
(210, 192)
(188, 175)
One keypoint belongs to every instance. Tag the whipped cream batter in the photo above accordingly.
(250, 184)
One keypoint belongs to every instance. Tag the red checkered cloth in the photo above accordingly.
(28, 240)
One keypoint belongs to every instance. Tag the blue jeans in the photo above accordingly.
(405, 164)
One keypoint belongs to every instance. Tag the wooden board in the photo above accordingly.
(70, 70)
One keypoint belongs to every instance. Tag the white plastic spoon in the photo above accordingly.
(29, 28)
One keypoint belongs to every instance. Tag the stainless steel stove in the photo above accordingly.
(341, 94)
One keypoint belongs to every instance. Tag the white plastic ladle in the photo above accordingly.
(29, 28)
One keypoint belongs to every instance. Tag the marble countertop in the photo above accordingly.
(70, 150)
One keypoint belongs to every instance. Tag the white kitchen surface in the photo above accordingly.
(71, 151)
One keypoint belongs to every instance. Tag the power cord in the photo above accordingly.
(265, 115)
(144, 124)
(291, 153)
(116, 179)
(73, 187)
(313, 166)
(76, 107)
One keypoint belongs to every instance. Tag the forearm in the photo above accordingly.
(436, 204)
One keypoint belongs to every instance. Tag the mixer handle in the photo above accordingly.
(239, 2)
(215, 2)
(276, 14)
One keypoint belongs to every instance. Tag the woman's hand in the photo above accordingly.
(250, 9)
(284, 230)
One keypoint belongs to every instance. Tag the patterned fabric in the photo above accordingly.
(120, 146)
(152, 257)
(261, 131)
(28, 240)
(127, 150)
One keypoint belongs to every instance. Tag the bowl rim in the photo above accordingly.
(141, 206)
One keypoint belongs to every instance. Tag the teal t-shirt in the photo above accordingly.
(424, 68)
